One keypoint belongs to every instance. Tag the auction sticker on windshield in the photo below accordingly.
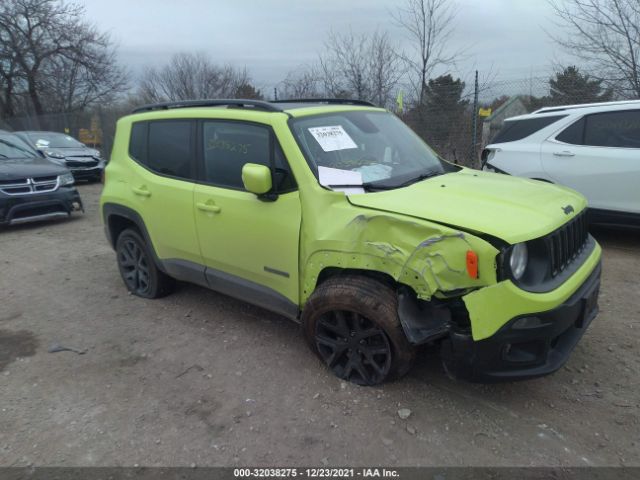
(332, 138)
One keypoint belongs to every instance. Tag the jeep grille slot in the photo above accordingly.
(566, 243)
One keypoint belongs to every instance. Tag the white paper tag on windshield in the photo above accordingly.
(332, 138)
(346, 181)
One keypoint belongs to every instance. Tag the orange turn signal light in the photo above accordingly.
(472, 264)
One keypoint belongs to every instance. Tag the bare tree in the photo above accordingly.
(606, 34)
(42, 38)
(366, 67)
(193, 76)
(344, 66)
(8, 80)
(386, 68)
(74, 84)
(301, 83)
(429, 25)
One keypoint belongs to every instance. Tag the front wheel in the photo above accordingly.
(138, 269)
(352, 323)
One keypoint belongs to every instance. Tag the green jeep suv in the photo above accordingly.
(335, 214)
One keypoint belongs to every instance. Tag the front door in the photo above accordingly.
(249, 245)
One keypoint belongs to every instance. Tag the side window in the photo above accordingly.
(573, 134)
(518, 129)
(138, 141)
(169, 150)
(613, 129)
(228, 146)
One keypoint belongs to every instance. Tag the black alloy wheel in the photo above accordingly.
(353, 347)
(134, 266)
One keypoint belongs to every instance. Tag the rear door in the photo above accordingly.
(249, 245)
(160, 184)
(516, 148)
(599, 156)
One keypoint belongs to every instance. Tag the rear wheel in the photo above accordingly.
(138, 269)
(352, 323)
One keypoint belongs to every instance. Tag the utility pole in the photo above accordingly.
(474, 143)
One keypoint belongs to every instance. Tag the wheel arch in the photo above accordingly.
(118, 218)
(333, 271)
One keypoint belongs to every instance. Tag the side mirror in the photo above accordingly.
(256, 178)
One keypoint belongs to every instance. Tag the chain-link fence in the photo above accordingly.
(95, 128)
(450, 120)
(458, 127)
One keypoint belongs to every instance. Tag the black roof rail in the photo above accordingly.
(234, 102)
(330, 101)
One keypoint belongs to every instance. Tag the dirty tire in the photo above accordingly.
(352, 323)
(138, 269)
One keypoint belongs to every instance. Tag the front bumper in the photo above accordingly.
(516, 353)
(29, 208)
(87, 173)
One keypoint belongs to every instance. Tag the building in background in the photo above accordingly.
(493, 123)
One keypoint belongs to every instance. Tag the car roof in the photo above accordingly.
(581, 109)
(292, 107)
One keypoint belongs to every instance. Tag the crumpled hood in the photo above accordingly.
(511, 208)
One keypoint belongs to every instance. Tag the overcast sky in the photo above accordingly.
(272, 37)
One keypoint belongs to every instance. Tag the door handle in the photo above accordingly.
(208, 207)
(565, 153)
(142, 191)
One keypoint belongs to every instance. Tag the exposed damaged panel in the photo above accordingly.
(422, 321)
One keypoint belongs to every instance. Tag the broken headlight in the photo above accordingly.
(518, 259)
(66, 180)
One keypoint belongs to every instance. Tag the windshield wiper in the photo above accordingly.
(372, 186)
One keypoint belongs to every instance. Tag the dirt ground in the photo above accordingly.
(198, 378)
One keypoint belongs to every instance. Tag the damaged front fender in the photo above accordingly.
(430, 258)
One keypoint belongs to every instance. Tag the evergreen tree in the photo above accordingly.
(443, 111)
(570, 87)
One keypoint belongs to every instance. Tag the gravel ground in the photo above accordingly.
(198, 378)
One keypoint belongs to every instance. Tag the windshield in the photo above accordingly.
(384, 151)
(53, 140)
(12, 147)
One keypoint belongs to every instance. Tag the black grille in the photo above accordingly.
(86, 164)
(566, 243)
(50, 178)
(12, 182)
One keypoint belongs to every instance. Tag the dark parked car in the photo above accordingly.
(31, 187)
(85, 163)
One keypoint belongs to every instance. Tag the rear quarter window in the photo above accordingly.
(164, 146)
(515, 130)
(138, 142)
